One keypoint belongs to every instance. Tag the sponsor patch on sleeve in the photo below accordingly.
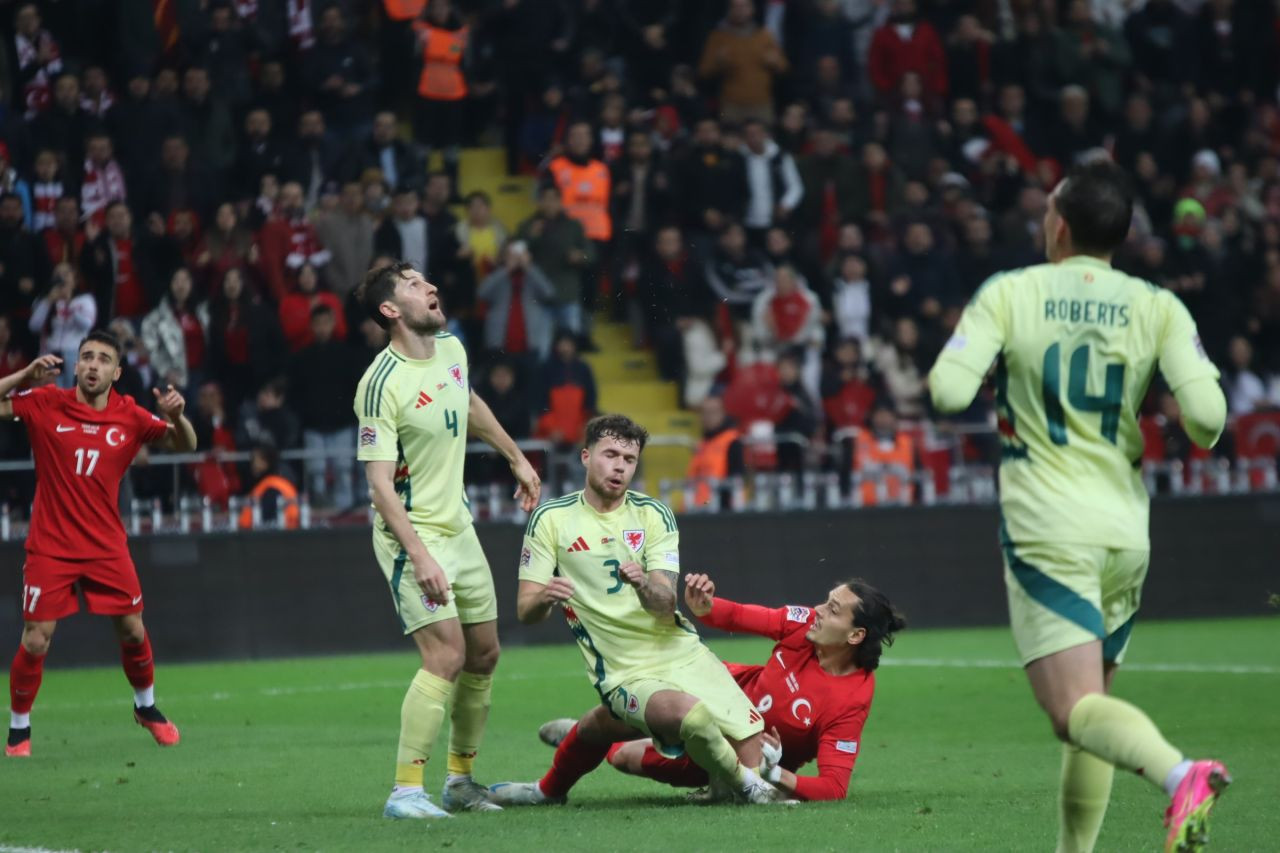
(798, 614)
(368, 436)
(23, 392)
(526, 556)
(849, 746)
(672, 558)
(957, 342)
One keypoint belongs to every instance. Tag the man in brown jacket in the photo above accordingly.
(745, 58)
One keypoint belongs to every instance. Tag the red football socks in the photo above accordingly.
(139, 667)
(680, 772)
(24, 680)
(574, 759)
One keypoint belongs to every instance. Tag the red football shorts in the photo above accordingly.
(110, 587)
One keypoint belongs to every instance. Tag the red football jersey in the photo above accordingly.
(818, 715)
(81, 455)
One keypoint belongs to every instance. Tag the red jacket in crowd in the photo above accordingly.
(898, 49)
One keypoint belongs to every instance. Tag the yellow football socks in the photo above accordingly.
(421, 716)
(706, 745)
(470, 712)
(1082, 799)
(1121, 734)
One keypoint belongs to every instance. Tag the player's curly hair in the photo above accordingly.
(877, 616)
(620, 427)
(378, 286)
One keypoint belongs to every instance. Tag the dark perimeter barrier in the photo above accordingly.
(278, 594)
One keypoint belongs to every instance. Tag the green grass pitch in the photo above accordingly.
(297, 755)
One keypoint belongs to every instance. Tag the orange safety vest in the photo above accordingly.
(585, 192)
(868, 454)
(287, 493)
(710, 462)
(442, 78)
(404, 10)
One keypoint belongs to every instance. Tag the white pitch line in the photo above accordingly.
(4, 848)
(992, 663)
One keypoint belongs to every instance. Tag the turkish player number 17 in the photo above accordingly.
(86, 456)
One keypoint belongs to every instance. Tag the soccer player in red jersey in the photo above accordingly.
(814, 691)
(83, 440)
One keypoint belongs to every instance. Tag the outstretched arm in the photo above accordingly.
(483, 425)
(700, 596)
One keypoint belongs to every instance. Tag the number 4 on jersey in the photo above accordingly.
(1078, 397)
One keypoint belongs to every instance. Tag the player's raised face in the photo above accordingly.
(97, 367)
(417, 303)
(834, 623)
(610, 463)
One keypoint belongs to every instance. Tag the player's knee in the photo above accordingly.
(36, 642)
(445, 662)
(483, 661)
(1060, 723)
(627, 758)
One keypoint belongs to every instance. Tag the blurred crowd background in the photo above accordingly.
(786, 202)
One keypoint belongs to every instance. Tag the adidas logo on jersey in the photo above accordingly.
(423, 400)
(579, 545)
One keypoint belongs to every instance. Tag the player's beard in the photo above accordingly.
(92, 390)
(601, 486)
(428, 324)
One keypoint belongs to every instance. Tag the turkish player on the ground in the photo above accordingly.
(84, 439)
(814, 691)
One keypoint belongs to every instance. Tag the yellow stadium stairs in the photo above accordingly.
(485, 169)
(628, 383)
(626, 378)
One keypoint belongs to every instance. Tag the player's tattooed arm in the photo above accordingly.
(656, 589)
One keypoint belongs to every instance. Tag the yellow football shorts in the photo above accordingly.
(473, 599)
(701, 675)
(1061, 596)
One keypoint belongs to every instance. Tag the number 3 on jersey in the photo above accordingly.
(1078, 397)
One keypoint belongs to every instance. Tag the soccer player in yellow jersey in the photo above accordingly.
(1075, 345)
(416, 408)
(610, 558)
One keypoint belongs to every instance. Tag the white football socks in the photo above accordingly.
(1175, 777)
(19, 721)
(144, 697)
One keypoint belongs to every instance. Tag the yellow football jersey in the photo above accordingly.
(414, 413)
(619, 638)
(1075, 345)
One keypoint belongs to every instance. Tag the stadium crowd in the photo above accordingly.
(789, 201)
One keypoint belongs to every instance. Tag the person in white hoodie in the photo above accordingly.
(774, 188)
(62, 319)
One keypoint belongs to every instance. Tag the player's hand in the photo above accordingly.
(632, 573)
(431, 578)
(170, 403)
(43, 368)
(699, 590)
(771, 748)
(530, 488)
(557, 591)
